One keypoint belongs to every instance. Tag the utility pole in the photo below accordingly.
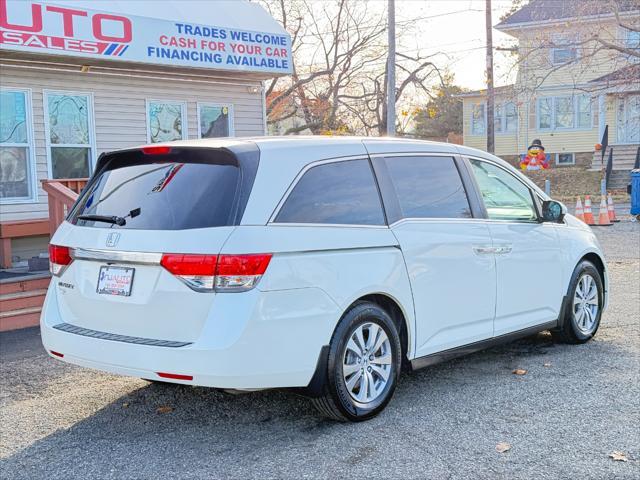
(391, 70)
(490, 92)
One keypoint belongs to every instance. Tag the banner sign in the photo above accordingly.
(45, 28)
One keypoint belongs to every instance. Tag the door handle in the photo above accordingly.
(503, 249)
(489, 249)
(483, 249)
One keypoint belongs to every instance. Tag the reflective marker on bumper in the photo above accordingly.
(174, 376)
(57, 354)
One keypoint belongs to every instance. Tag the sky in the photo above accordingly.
(457, 29)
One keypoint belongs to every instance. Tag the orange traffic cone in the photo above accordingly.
(588, 214)
(603, 213)
(611, 209)
(579, 210)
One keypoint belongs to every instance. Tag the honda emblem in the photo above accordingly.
(112, 239)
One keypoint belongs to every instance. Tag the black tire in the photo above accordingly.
(568, 330)
(336, 402)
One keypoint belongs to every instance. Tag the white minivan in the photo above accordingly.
(326, 265)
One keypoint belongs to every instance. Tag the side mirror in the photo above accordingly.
(553, 211)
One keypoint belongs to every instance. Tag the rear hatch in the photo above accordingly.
(138, 251)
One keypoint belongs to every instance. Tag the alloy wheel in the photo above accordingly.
(367, 362)
(586, 304)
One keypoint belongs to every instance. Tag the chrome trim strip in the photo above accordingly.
(86, 332)
(420, 153)
(329, 225)
(115, 256)
(436, 220)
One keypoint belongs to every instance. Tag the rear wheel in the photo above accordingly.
(583, 310)
(363, 365)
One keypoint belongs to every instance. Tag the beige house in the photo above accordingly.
(81, 77)
(577, 75)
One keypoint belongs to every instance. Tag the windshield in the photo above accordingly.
(160, 196)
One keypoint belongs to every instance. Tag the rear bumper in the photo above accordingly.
(276, 344)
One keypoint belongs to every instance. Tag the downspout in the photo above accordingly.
(263, 96)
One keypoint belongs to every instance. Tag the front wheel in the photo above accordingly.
(583, 310)
(363, 365)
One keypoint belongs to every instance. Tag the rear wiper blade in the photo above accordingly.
(113, 219)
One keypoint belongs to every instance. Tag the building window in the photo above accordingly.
(498, 118)
(215, 120)
(567, 112)
(505, 118)
(545, 113)
(510, 117)
(478, 119)
(564, 112)
(70, 136)
(563, 51)
(633, 42)
(165, 121)
(565, 159)
(584, 112)
(17, 166)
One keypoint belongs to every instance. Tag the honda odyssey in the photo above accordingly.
(325, 265)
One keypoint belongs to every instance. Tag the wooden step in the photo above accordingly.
(19, 300)
(23, 318)
(24, 284)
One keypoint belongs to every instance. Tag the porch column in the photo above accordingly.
(602, 113)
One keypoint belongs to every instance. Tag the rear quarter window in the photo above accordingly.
(343, 192)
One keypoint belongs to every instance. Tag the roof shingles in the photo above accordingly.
(537, 11)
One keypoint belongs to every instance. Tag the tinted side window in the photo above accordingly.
(505, 197)
(338, 193)
(428, 187)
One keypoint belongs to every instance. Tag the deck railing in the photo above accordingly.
(62, 195)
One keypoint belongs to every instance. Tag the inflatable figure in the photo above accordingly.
(535, 159)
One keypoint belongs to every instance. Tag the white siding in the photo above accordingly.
(120, 111)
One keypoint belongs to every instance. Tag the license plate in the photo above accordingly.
(115, 281)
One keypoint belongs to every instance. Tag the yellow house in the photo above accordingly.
(578, 73)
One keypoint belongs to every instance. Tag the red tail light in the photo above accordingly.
(243, 264)
(240, 273)
(156, 150)
(224, 273)
(197, 271)
(59, 259)
(187, 264)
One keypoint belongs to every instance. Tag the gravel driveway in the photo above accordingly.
(575, 406)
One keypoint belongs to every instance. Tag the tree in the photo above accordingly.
(339, 64)
(442, 114)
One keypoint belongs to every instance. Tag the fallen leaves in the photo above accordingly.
(519, 371)
(163, 410)
(503, 447)
(618, 457)
(125, 405)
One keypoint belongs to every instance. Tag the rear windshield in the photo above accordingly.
(161, 196)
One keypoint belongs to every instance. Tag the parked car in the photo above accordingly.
(326, 265)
